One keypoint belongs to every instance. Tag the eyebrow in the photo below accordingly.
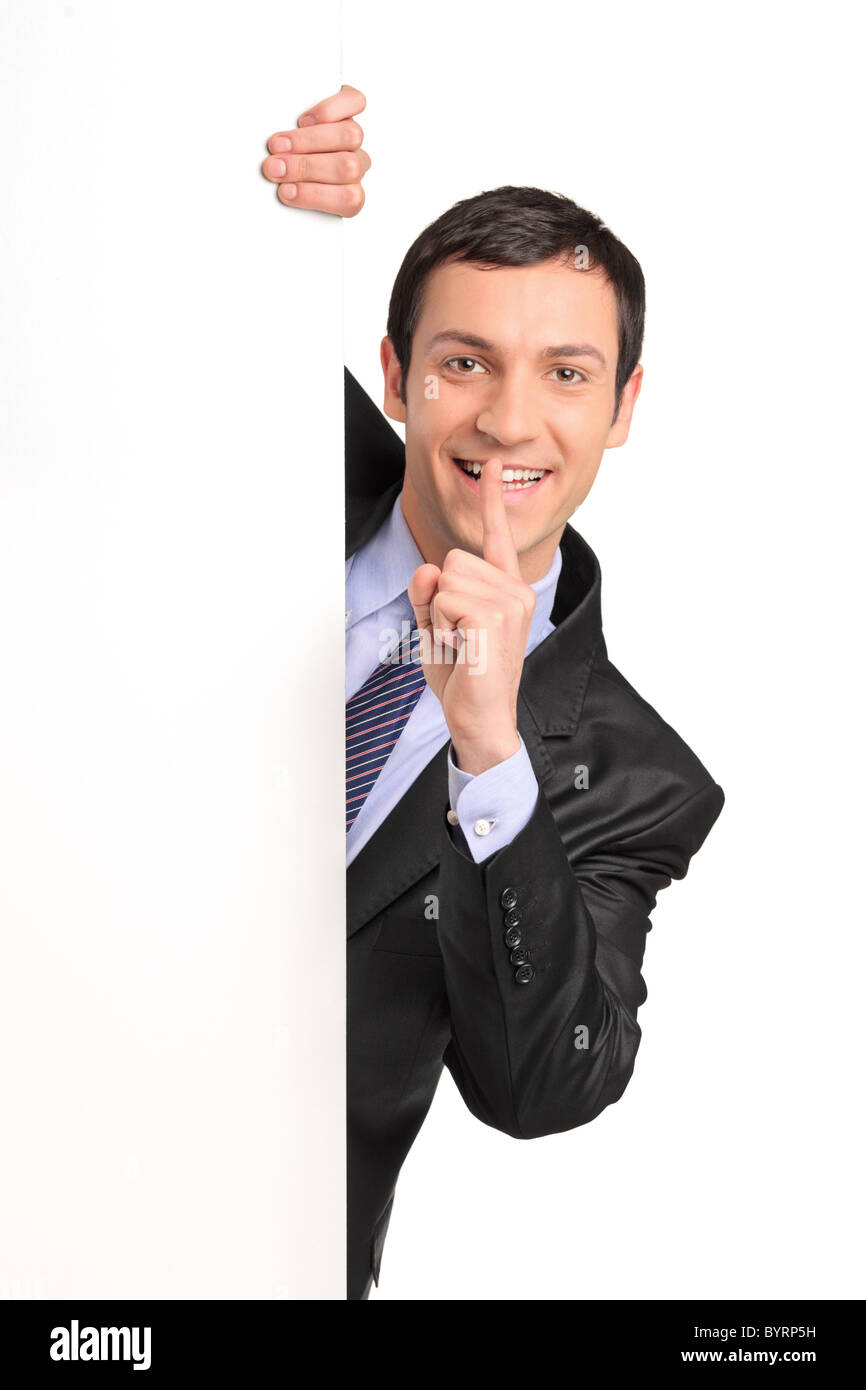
(457, 335)
(576, 350)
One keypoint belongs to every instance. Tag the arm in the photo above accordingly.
(514, 1053)
(544, 1023)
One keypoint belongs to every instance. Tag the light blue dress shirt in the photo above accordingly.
(492, 807)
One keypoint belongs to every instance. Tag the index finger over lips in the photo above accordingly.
(497, 540)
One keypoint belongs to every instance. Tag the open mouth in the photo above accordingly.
(513, 479)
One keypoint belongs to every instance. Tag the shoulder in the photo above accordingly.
(375, 454)
(646, 774)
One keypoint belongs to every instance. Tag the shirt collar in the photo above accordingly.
(380, 571)
(545, 593)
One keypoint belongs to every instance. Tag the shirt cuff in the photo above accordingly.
(494, 806)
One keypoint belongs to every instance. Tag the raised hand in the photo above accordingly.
(320, 165)
(474, 616)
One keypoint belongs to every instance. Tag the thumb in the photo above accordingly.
(422, 587)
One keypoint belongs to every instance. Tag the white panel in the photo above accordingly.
(171, 619)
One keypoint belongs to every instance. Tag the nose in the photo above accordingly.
(510, 411)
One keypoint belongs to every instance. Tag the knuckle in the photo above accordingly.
(349, 168)
(352, 199)
(354, 135)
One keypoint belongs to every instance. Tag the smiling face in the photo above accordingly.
(516, 363)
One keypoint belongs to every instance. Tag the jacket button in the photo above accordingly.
(519, 955)
(507, 898)
(512, 918)
(513, 937)
(524, 973)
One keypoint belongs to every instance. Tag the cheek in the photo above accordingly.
(582, 462)
(430, 425)
(424, 435)
(425, 391)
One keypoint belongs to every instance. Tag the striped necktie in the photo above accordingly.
(376, 716)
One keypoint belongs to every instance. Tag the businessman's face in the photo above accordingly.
(511, 363)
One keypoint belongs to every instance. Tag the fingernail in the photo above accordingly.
(307, 120)
(278, 168)
(290, 190)
(281, 144)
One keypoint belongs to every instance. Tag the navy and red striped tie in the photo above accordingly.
(376, 716)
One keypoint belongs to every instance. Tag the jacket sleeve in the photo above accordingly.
(544, 1033)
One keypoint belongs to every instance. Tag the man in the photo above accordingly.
(513, 805)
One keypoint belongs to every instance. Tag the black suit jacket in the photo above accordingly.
(431, 979)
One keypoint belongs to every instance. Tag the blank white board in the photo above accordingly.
(172, 1051)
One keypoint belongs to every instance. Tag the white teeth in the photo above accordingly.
(511, 477)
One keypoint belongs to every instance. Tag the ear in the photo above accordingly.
(393, 406)
(618, 432)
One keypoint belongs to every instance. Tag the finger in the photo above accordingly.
(345, 167)
(455, 616)
(462, 565)
(445, 627)
(497, 540)
(501, 592)
(316, 139)
(347, 102)
(343, 200)
(422, 588)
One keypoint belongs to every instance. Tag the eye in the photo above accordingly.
(464, 365)
(573, 376)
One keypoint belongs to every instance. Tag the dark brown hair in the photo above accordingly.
(514, 227)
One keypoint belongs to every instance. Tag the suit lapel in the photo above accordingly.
(403, 849)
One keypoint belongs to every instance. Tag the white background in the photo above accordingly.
(172, 1024)
(720, 144)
